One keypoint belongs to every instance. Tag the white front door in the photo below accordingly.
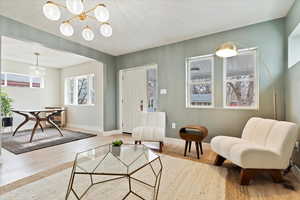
(134, 97)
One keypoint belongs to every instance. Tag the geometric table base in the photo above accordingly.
(129, 176)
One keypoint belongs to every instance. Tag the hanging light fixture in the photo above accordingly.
(36, 69)
(51, 11)
(76, 8)
(226, 50)
(106, 29)
(88, 34)
(66, 29)
(101, 13)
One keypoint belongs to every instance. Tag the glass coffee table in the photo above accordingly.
(131, 170)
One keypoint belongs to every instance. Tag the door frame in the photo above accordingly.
(120, 75)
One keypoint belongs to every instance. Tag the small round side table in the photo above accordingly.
(193, 133)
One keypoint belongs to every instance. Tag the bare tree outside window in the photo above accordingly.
(200, 81)
(240, 85)
(83, 91)
(80, 90)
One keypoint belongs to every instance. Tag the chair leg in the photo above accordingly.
(161, 144)
(197, 149)
(201, 148)
(190, 144)
(185, 148)
(219, 160)
(246, 175)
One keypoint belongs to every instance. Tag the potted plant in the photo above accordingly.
(116, 147)
(6, 113)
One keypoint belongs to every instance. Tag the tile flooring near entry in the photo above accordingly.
(19, 170)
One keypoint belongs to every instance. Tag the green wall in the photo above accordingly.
(292, 81)
(267, 36)
(14, 29)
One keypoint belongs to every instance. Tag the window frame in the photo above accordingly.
(75, 93)
(254, 51)
(188, 81)
(42, 84)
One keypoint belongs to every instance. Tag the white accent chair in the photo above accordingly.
(151, 128)
(266, 146)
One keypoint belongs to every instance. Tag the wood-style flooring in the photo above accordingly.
(17, 170)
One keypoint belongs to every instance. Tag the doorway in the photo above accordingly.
(138, 93)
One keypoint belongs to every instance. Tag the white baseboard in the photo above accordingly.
(112, 132)
(85, 127)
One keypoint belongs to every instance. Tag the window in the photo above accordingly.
(199, 83)
(80, 90)
(21, 80)
(36, 82)
(152, 89)
(241, 81)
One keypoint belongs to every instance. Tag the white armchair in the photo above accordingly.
(266, 146)
(151, 128)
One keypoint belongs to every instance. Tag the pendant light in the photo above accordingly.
(36, 70)
(66, 29)
(75, 6)
(88, 34)
(51, 11)
(227, 50)
(106, 29)
(101, 13)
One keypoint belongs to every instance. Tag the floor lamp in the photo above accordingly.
(229, 49)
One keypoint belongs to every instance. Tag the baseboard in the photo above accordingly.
(85, 127)
(112, 132)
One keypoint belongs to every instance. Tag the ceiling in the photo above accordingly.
(22, 51)
(142, 24)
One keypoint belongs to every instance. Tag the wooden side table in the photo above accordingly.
(193, 133)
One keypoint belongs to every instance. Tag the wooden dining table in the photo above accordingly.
(34, 115)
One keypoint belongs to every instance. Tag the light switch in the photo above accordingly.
(163, 91)
(173, 125)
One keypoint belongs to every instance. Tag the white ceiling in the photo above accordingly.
(22, 51)
(142, 24)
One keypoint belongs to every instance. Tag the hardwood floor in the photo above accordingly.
(17, 170)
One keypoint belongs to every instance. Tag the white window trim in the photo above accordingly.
(75, 97)
(256, 81)
(188, 83)
(42, 84)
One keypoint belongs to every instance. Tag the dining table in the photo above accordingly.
(36, 115)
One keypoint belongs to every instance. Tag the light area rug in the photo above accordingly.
(181, 179)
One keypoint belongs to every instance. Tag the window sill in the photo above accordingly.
(80, 105)
(224, 108)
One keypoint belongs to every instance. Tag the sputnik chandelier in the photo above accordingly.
(101, 14)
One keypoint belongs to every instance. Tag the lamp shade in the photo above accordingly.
(51, 11)
(227, 50)
(75, 6)
(66, 29)
(106, 30)
(88, 34)
(101, 13)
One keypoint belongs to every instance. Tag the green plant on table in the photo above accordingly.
(5, 104)
(117, 143)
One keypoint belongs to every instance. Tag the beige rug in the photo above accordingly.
(181, 179)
